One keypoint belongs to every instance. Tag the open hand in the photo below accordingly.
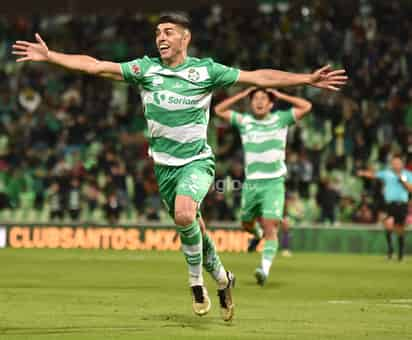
(326, 78)
(249, 90)
(275, 92)
(31, 51)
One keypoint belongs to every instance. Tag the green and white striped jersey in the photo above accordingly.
(264, 142)
(177, 104)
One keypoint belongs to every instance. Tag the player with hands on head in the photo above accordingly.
(263, 131)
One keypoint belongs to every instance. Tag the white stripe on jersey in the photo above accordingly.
(183, 134)
(269, 156)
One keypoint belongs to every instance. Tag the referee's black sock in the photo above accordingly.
(401, 242)
(389, 242)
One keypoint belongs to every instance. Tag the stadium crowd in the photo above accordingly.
(73, 147)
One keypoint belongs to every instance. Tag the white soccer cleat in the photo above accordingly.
(201, 302)
(260, 277)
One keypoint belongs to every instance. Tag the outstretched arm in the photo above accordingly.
(300, 106)
(370, 174)
(39, 51)
(324, 78)
(223, 108)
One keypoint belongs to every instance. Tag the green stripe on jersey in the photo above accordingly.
(177, 117)
(264, 167)
(265, 146)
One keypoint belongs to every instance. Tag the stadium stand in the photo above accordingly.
(73, 147)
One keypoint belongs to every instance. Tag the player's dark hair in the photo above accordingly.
(262, 89)
(177, 18)
(398, 155)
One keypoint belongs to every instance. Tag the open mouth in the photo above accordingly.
(164, 48)
(259, 110)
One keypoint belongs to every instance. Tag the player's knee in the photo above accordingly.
(184, 217)
(270, 233)
(270, 228)
(270, 223)
(388, 224)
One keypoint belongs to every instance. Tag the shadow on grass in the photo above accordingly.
(70, 330)
(268, 285)
(79, 287)
(146, 325)
(181, 321)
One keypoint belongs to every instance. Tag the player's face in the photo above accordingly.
(397, 164)
(261, 104)
(171, 40)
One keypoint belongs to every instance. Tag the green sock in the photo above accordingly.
(191, 239)
(270, 248)
(211, 261)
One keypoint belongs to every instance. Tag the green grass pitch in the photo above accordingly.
(79, 294)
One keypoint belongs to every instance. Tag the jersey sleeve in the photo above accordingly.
(235, 119)
(223, 76)
(286, 117)
(133, 71)
(381, 174)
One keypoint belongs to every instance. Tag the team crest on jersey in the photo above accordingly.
(193, 75)
(135, 68)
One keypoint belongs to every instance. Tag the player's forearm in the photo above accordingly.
(224, 106)
(76, 62)
(277, 79)
(367, 174)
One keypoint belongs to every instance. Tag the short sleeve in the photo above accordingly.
(133, 71)
(235, 118)
(381, 174)
(223, 76)
(286, 117)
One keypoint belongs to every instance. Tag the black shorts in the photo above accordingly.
(397, 210)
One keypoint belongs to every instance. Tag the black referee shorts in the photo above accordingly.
(397, 210)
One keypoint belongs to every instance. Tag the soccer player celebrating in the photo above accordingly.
(176, 91)
(263, 133)
(397, 184)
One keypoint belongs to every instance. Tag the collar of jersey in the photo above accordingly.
(268, 115)
(178, 67)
